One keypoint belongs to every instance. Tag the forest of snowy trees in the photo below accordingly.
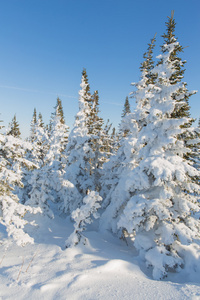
(141, 182)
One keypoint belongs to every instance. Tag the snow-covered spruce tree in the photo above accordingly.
(38, 181)
(113, 169)
(46, 181)
(23, 193)
(98, 135)
(79, 154)
(40, 142)
(83, 216)
(12, 153)
(58, 111)
(58, 136)
(94, 124)
(13, 128)
(50, 175)
(131, 123)
(158, 198)
(33, 154)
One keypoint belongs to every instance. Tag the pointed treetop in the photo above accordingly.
(127, 108)
(169, 37)
(40, 121)
(14, 128)
(33, 126)
(170, 42)
(34, 119)
(148, 62)
(59, 110)
(85, 79)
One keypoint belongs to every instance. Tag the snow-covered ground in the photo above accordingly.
(105, 268)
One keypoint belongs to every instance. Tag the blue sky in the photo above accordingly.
(45, 44)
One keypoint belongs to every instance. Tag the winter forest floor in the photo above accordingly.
(105, 268)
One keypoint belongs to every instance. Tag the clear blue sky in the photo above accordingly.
(44, 45)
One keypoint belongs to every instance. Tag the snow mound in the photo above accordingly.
(103, 269)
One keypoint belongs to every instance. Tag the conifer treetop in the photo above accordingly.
(59, 110)
(182, 94)
(169, 38)
(13, 128)
(85, 78)
(127, 108)
(34, 116)
(40, 120)
(148, 64)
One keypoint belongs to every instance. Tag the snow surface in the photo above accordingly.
(104, 268)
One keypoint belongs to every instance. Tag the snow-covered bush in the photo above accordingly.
(83, 216)
(40, 192)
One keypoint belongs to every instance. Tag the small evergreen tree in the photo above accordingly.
(83, 216)
(49, 183)
(13, 128)
(37, 155)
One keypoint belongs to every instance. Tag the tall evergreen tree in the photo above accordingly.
(58, 134)
(155, 201)
(37, 155)
(78, 179)
(48, 181)
(94, 124)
